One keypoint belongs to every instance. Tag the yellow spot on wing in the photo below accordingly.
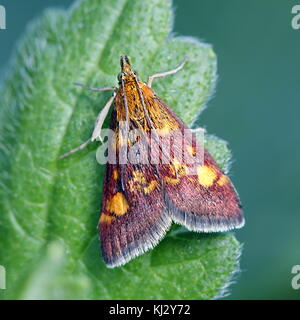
(171, 180)
(206, 175)
(117, 204)
(222, 180)
(164, 131)
(177, 164)
(138, 176)
(152, 185)
(191, 150)
(115, 173)
(106, 218)
(178, 170)
(142, 184)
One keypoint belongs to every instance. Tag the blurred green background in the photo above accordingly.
(255, 108)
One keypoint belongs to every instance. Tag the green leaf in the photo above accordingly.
(184, 265)
(42, 115)
(49, 279)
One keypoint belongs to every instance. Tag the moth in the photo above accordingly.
(142, 197)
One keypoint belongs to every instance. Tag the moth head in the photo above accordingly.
(127, 73)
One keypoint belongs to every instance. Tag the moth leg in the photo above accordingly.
(97, 129)
(163, 74)
(102, 115)
(100, 119)
(95, 89)
(81, 147)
